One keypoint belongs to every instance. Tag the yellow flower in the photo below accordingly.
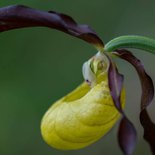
(84, 115)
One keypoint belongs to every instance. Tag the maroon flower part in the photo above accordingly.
(146, 98)
(127, 133)
(18, 16)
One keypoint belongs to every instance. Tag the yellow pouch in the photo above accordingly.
(82, 117)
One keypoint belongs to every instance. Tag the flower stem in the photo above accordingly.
(131, 41)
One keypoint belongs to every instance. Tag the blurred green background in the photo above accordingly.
(40, 65)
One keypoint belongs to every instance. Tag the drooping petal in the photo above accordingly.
(127, 136)
(146, 81)
(18, 16)
(146, 98)
(149, 129)
(127, 133)
(115, 85)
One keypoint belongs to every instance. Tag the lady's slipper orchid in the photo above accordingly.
(90, 111)
(86, 114)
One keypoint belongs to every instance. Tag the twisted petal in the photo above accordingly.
(146, 98)
(18, 16)
(127, 133)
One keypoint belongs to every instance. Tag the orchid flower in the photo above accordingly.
(92, 109)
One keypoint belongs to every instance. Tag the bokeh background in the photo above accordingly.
(40, 65)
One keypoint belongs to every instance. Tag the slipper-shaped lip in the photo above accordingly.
(81, 117)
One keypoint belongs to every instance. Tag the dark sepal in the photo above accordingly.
(127, 133)
(18, 16)
(146, 98)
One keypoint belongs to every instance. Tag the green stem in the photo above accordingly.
(131, 41)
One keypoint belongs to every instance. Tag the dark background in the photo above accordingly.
(40, 65)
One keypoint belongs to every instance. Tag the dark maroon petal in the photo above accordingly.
(18, 16)
(127, 133)
(149, 129)
(115, 85)
(127, 136)
(146, 98)
(146, 81)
